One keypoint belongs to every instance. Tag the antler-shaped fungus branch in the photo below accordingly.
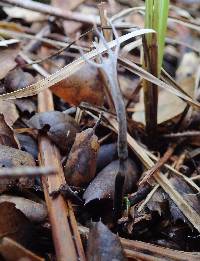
(109, 66)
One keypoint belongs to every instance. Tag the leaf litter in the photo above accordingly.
(91, 128)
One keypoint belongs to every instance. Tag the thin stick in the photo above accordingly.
(26, 172)
(108, 36)
(53, 11)
(63, 225)
(185, 134)
(66, 238)
(149, 173)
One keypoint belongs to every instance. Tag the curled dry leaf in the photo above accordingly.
(17, 79)
(26, 105)
(14, 224)
(35, 212)
(10, 157)
(28, 144)
(7, 58)
(60, 127)
(81, 164)
(8, 109)
(103, 186)
(7, 136)
(158, 202)
(12, 251)
(103, 244)
(191, 196)
(83, 86)
(107, 153)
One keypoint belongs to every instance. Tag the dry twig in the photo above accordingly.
(53, 11)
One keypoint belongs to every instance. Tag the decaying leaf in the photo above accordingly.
(35, 212)
(10, 157)
(107, 153)
(60, 128)
(8, 109)
(21, 13)
(83, 86)
(103, 244)
(7, 58)
(17, 79)
(12, 251)
(191, 196)
(81, 164)
(26, 105)
(28, 144)
(102, 187)
(14, 224)
(7, 136)
(70, 27)
(158, 202)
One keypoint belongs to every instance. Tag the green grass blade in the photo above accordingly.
(162, 26)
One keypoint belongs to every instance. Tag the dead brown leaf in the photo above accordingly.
(81, 164)
(83, 86)
(17, 79)
(60, 128)
(107, 153)
(189, 194)
(7, 58)
(102, 187)
(28, 144)
(35, 212)
(103, 244)
(7, 136)
(14, 224)
(158, 202)
(8, 109)
(10, 157)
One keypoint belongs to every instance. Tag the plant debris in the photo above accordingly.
(99, 130)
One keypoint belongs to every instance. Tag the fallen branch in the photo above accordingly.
(65, 234)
